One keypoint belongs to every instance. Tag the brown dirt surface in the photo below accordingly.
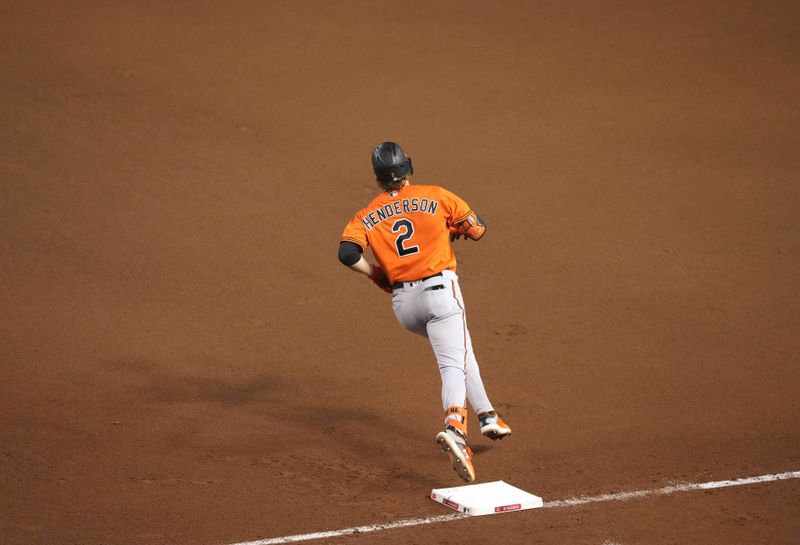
(184, 361)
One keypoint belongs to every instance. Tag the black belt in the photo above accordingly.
(398, 285)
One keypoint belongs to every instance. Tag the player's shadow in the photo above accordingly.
(161, 384)
(357, 433)
(477, 450)
(371, 436)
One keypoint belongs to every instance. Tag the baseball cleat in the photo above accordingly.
(492, 426)
(459, 453)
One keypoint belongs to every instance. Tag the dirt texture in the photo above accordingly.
(184, 361)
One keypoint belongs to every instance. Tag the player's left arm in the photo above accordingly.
(351, 254)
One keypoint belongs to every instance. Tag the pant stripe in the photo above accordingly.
(464, 321)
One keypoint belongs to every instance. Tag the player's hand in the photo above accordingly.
(378, 277)
(455, 233)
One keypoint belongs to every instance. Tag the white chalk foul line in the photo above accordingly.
(619, 496)
(666, 490)
(357, 530)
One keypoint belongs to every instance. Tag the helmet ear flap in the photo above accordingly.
(410, 167)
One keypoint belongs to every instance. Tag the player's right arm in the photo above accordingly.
(472, 227)
(461, 220)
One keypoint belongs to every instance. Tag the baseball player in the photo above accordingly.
(409, 228)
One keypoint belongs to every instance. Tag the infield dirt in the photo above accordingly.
(185, 361)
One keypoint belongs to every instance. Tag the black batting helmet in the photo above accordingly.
(389, 162)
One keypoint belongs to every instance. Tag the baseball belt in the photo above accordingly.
(398, 285)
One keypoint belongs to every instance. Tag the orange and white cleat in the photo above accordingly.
(453, 441)
(454, 445)
(492, 426)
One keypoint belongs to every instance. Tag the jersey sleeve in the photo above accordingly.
(457, 210)
(356, 232)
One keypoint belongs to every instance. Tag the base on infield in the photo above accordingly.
(486, 498)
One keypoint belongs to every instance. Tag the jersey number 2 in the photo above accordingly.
(402, 251)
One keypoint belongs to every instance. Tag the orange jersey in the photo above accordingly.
(407, 230)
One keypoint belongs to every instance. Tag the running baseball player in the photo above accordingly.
(409, 228)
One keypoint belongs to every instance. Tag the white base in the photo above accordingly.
(486, 498)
